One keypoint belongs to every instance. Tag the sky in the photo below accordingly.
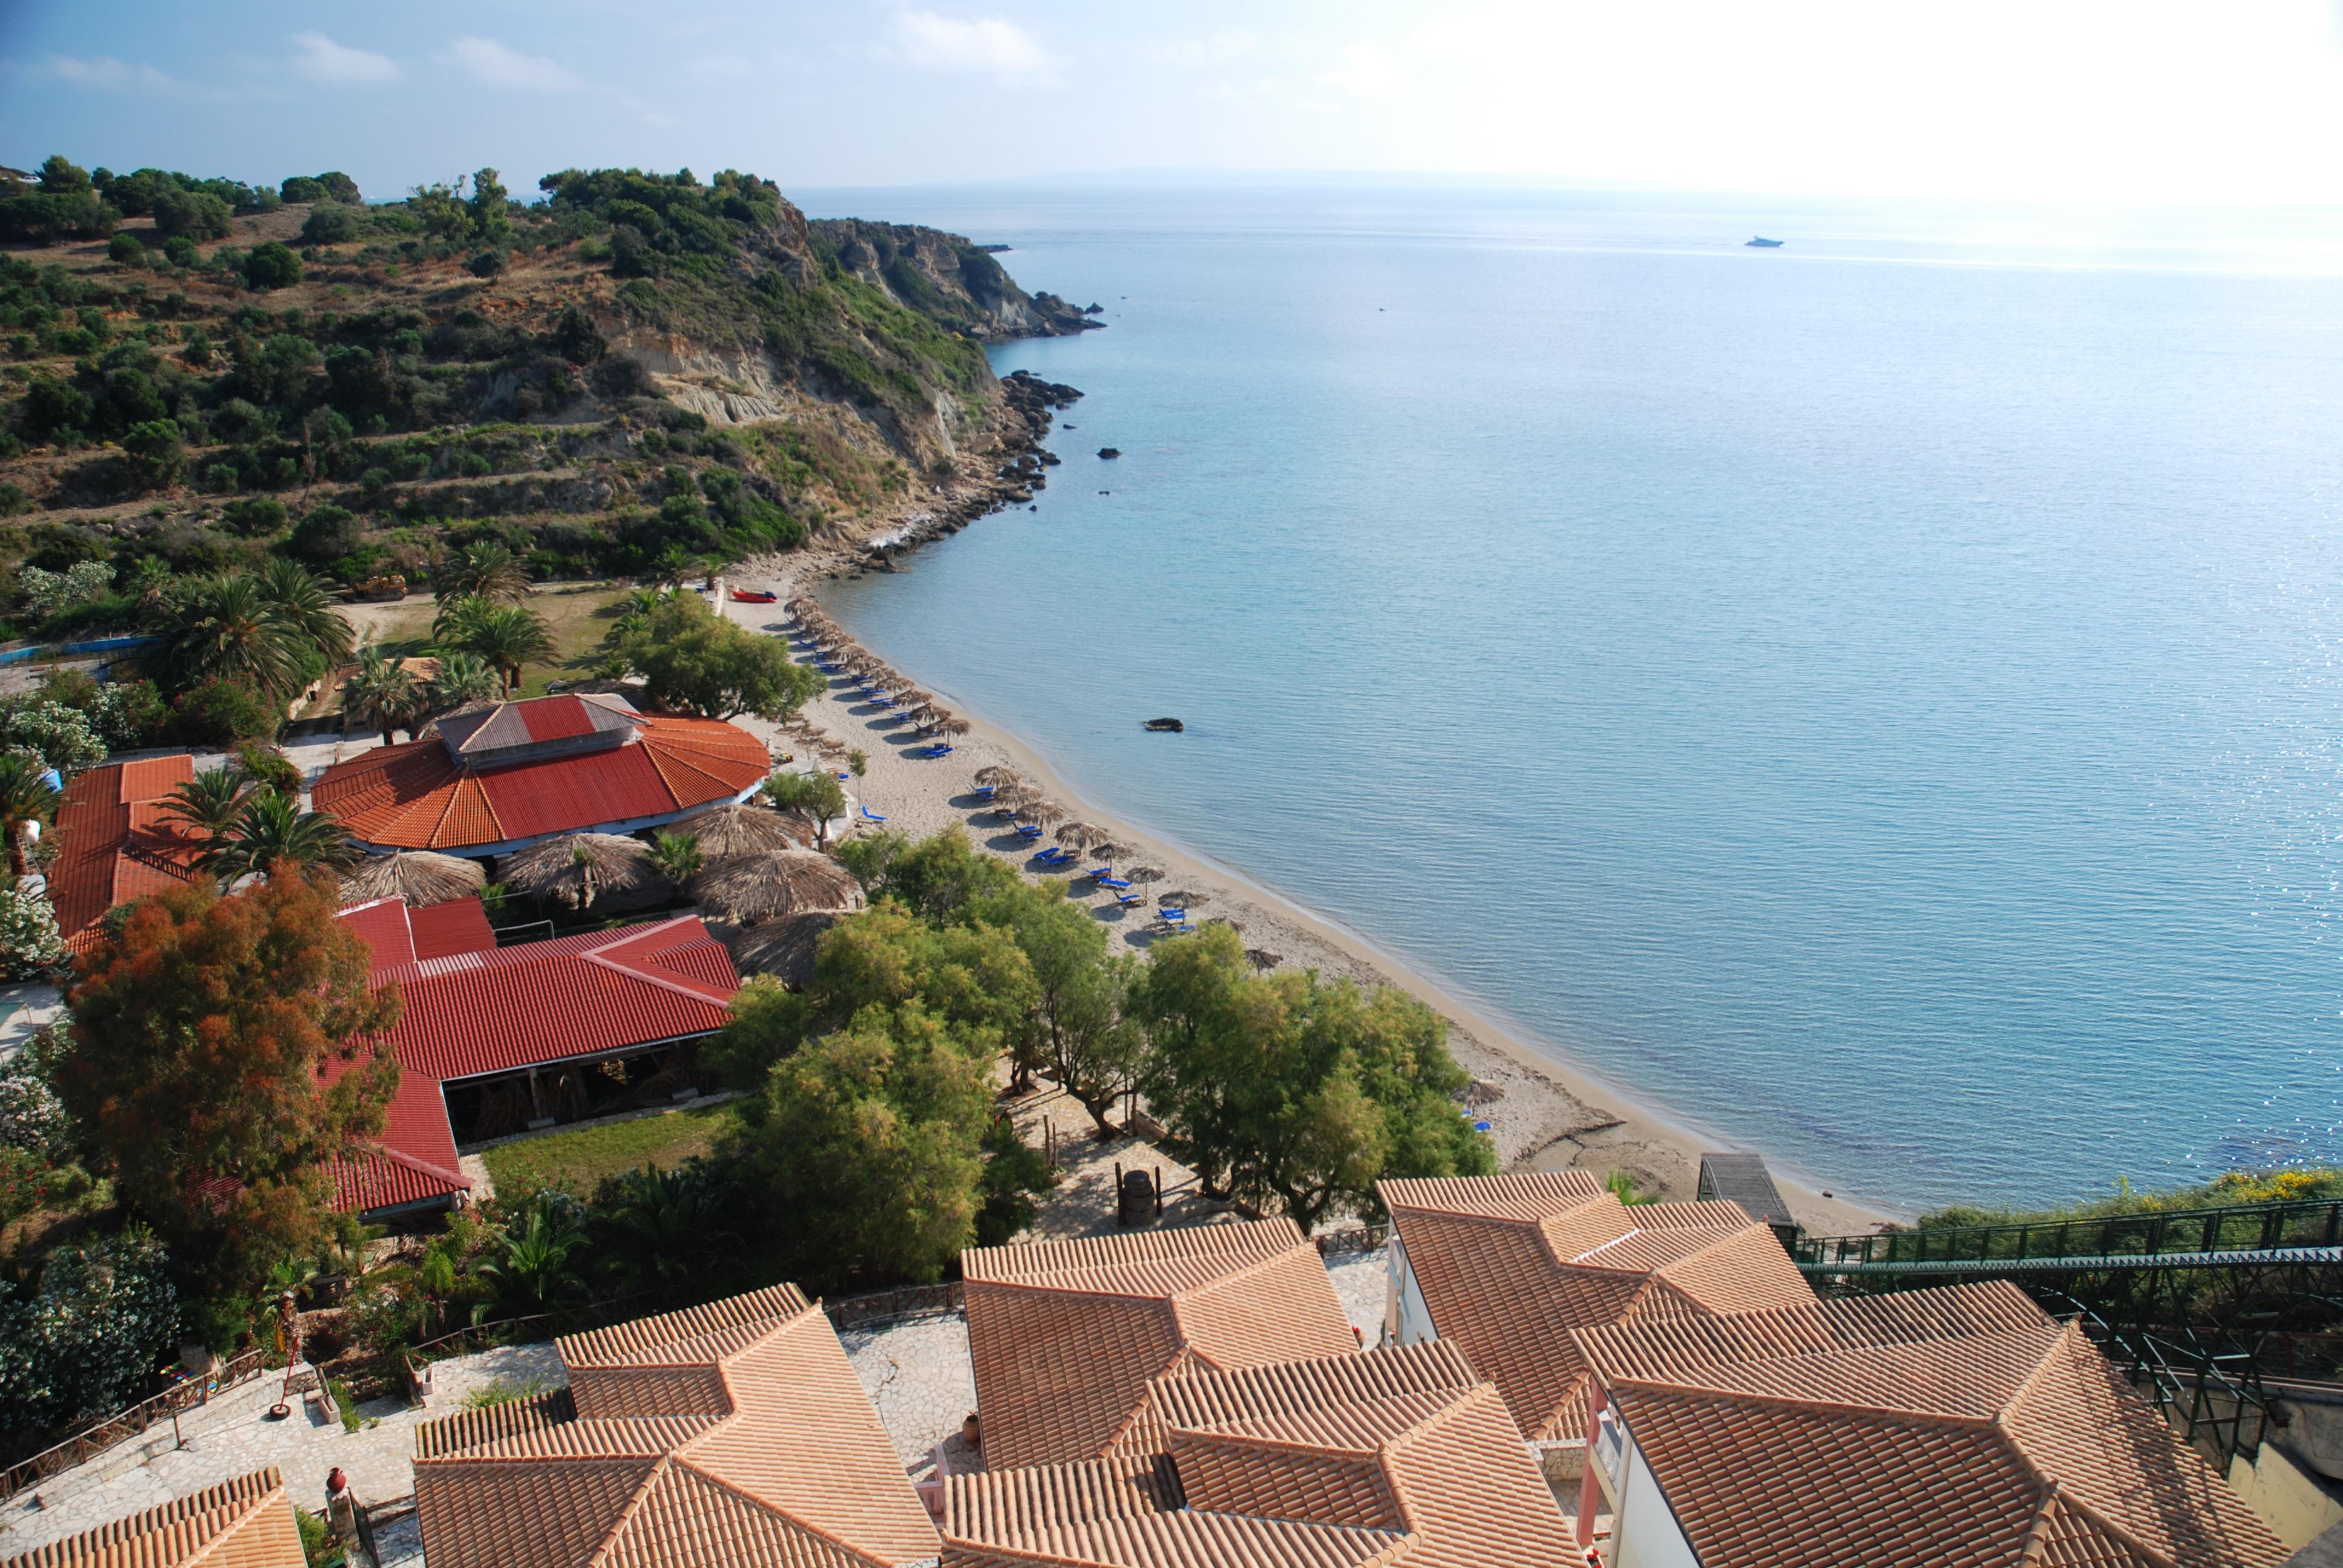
(2141, 102)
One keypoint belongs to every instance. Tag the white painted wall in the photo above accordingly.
(1644, 1533)
(1406, 1320)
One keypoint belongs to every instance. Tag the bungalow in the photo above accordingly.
(493, 1039)
(115, 843)
(244, 1522)
(1962, 1424)
(501, 778)
(1508, 1266)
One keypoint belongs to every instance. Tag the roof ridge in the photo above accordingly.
(627, 1512)
(2037, 1534)
(413, 1161)
(2055, 1489)
(1243, 1272)
(1879, 1414)
(753, 1501)
(679, 985)
(2026, 1384)
(1716, 1238)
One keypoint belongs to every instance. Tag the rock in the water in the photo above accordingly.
(1110, 451)
(1166, 726)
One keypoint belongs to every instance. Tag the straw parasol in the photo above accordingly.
(996, 774)
(417, 876)
(731, 830)
(1081, 835)
(1041, 813)
(1140, 876)
(1263, 959)
(750, 889)
(1180, 899)
(784, 947)
(584, 869)
(952, 727)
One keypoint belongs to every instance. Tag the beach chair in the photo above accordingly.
(1052, 857)
(1028, 832)
(1109, 882)
(985, 791)
(1129, 900)
(1170, 915)
(870, 816)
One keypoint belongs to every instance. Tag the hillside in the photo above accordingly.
(633, 374)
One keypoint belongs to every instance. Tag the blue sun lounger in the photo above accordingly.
(1173, 914)
(1052, 856)
(1109, 882)
(1128, 900)
(985, 791)
(870, 816)
(1028, 832)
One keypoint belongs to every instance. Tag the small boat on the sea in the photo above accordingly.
(1761, 243)
(755, 595)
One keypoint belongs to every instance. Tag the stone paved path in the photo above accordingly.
(233, 1436)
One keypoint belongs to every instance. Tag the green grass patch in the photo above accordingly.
(580, 1160)
(2238, 1189)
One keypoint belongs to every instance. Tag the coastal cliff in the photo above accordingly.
(636, 372)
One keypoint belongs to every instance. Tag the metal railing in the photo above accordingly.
(2172, 1239)
(1358, 1238)
(878, 1308)
(2208, 1389)
(99, 1436)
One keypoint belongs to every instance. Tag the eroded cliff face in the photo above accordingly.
(944, 277)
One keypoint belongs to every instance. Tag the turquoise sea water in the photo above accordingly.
(1877, 698)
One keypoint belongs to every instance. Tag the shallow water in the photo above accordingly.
(1877, 698)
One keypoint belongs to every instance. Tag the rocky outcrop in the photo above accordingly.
(944, 277)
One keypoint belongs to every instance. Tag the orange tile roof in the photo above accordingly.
(729, 1433)
(1066, 1337)
(247, 1522)
(422, 796)
(1394, 1457)
(1960, 1425)
(1509, 1265)
(115, 843)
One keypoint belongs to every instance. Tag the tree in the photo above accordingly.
(59, 175)
(334, 224)
(507, 636)
(226, 629)
(26, 795)
(489, 221)
(693, 660)
(191, 215)
(153, 452)
(484, 570)
(463, 677)
(815, 798)
(1286, 1088)
(1074, 1022)
(124, 250)
(210, 803)
(271, 266)
(576, 338)
(537, 1270)
(83, 1344)
(382, 694)
(302, 603)
(869, 1141)
(274, 837)
(218, 712)
(678, 856)
(201, 1038)
(939, 877)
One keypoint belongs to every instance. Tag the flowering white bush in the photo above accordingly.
(82, 1345)
(32, 1117)
(59, 736)
(30, 945)
(47, 592)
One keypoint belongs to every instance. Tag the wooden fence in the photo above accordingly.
(900, 1305)
(97, 1438)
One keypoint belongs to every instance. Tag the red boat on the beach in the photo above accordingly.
(754, 596)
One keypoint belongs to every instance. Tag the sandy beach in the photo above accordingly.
(1545, 1114)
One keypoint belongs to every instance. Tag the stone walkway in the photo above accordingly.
(233, 1436)
(1082, 1203)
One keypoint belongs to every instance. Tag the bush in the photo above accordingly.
(47, 219)
(486, 264)
(180, 251)
(271, 265)
(266, 765)
(62, 738)
(124, 250)
(221, 713)
(191, 215)
(30, 946)
(334, 224)
(46, 593)
(83, 1344)
(13, 500)
(155, 451)
(326, 532)
(254, 517)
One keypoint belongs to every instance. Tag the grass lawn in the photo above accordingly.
(575, 613)
(578, 1160)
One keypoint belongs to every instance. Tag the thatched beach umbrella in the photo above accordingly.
(419, 876)
(1140, 876)
(731, 830)
(1080, 835)
(952, 727)
(1181, 899)
(583, 870)
(996, 774)
(750, 889)
(1041, 813)
(784, 947)
(1262, 959)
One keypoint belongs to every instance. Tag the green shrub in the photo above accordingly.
(222, 713)
(191, 215)
(271, 265)
(254, 517)
(124, 250)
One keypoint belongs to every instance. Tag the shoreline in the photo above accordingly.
(1547, 1111)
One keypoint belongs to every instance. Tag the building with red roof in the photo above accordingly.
(504, 777)
(115, 844)
(491, 1038)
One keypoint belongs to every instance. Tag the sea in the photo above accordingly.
(1876, 698)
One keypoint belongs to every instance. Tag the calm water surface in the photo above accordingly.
(1877, 698)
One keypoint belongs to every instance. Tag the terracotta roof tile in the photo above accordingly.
(245, 1522)
(1509, 1265)
(777, 1459)
(1397, 1456)
(1066, 1336)
(422, 796)
(1959, 1426)
(114, 843)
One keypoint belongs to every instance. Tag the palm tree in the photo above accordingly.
(302, 600)
(271, 829)
(26, 795)
(483, 570)
(382, 694)
(536, 1274)
(678, 856)
(669, 1228)
(463, 677)
(228, 629)
(506, 635)
(210, 803)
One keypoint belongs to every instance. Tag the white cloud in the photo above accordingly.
(1365, 71)
(991, 46)
(107, 72)
(1220, 48)
(494, 63)
(320, 59)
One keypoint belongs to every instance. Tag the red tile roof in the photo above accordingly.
(1509, 1265)
(1954, 1425)
(468, 1007)
(245, 1522)
(1395, 1457)
(733, 1434)
(1068, 1337)
(115, 845)
(421, 796)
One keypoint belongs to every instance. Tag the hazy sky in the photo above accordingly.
(2217, 101)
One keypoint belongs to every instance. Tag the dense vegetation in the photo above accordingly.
(241, 373)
